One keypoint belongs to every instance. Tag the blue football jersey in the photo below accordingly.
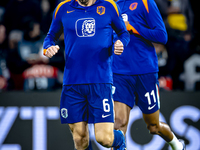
(145, 26)
(88, 37)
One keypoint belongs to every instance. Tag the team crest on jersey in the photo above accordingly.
(101, 10)
(85, 27)
(64, 113)
(133, 6)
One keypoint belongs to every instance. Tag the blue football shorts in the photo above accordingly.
(141, 90)
(92, 103)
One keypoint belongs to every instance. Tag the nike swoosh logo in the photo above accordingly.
(104, 116)
(149, 108)
(70, 11)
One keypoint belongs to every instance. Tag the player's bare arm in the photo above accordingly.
(126, 23)
(51, 51)
(118, 47)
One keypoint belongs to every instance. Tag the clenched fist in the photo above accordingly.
(51, 51)
(118, 47)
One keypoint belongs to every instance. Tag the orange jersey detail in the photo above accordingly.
(60, 6)
(133, 6)
(114, 5)
(44, 51)
(131, 28)
(146, 5)
(101, 10)
(158, 90)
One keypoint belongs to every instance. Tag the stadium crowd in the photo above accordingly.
(24, 24)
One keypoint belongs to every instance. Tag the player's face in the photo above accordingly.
(84, 2)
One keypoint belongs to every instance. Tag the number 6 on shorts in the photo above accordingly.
(106, 106)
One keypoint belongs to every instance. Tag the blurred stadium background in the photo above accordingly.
(30, 84)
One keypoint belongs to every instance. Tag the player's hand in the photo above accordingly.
(118, 47)
(51, 51)
(126, 23)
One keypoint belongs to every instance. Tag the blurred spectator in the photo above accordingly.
(19, 12)
(3, 40)
(46, 16)
(31, 44)
(25, 22)
(162, 55)
(180, 31)
(191, 75)
(43, 72)
(180, 19)
(182, 43)
(15, 64)
(4, 73)
(165, 80)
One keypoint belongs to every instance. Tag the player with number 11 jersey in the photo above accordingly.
(136, 70)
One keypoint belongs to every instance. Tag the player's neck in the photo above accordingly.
(90, 2)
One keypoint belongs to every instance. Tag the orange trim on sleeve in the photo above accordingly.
(158, 90)
(114, 5)
(44, 51)
(131, 28)
(146, 5)
(60, 6)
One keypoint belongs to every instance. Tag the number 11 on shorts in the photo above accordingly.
(148, 97)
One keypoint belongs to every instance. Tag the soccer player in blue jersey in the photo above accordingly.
(136, 70)
(87, 83)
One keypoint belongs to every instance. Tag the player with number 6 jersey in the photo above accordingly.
(87, 83)
(136, 70)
